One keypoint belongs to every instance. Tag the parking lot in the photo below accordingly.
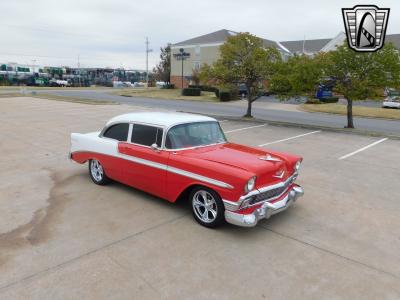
(61, 236)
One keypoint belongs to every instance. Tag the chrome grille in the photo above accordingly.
(273, 193)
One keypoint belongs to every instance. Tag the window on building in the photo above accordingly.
(196, 65)
(117, 132)
(146, 135)
(197, 51)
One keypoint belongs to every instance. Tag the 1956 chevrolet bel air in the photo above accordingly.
(173, 155)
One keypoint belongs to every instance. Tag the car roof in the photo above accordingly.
(165, 119)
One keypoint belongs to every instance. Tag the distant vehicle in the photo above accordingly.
(324, 91)
(160, 84)
(122, 84)
(391, 102)
(390, 92)
(59, 83)
(242, 89)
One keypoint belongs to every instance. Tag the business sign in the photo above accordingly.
(180, 56)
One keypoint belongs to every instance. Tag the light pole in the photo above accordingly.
(182, 55)
(147, 61)
(182, 51)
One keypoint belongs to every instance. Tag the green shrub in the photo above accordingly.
(194, 86)
(216, 93)
(204, 88)
(191, 92)
(329, 100)
(225, 95)
(313, 101)
(168, 86)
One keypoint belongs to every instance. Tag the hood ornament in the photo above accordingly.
(269, 158)
(279, 174)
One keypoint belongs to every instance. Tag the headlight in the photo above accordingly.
(250, 184)
(297, 165)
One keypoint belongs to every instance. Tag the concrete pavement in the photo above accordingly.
(62, 237)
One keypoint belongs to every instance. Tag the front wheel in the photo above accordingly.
(207, 207)
(97, 173)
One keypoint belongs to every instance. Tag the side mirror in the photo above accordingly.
(155, 147)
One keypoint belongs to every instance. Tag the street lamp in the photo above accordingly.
(182, 51)
(182, 55)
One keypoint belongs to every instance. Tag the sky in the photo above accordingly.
(97, 33)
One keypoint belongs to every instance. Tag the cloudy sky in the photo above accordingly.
(112, 33)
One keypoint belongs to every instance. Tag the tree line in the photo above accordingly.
(245, 60)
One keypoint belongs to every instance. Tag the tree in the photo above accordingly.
(243, 60)
(359, 74)
(162, 71)
(298, 76)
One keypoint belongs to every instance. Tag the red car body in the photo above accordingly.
(169, 173)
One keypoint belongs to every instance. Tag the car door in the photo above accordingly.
(112, 136)
(145, 166)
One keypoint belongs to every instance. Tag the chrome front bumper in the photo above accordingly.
(266, 210)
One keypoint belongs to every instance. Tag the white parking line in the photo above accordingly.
(245, 128)
(362, 149)
(290, 138)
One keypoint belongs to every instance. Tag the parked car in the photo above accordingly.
(391, 102)
(177, 155)
(391, 92)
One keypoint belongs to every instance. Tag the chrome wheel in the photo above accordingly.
(204, 206)
(96, 170)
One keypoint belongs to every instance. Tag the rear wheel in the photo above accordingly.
(97, 173)
(207, 207)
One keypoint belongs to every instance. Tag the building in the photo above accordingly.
(205, 50)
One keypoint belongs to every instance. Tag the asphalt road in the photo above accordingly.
(226, 109)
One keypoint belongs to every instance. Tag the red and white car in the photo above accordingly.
(173, 155)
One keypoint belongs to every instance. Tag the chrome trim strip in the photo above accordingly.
(231, 205)
(194, 147)
(176, 171)
(144, 162)
(199, 177)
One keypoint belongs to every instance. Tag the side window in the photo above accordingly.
(146, 135)
(117, 132)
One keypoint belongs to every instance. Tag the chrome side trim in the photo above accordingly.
(199, 177)
(231, 205)
(144, 162)
(176, 171)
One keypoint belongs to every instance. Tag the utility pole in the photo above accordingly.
(79, 70)
(147, 61)
(33, 66)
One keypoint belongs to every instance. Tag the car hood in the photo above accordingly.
(246, 158)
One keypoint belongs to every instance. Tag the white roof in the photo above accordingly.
(166, 119)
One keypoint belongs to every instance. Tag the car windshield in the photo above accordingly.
(194, 135)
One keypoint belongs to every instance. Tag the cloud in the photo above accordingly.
(112, 33)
